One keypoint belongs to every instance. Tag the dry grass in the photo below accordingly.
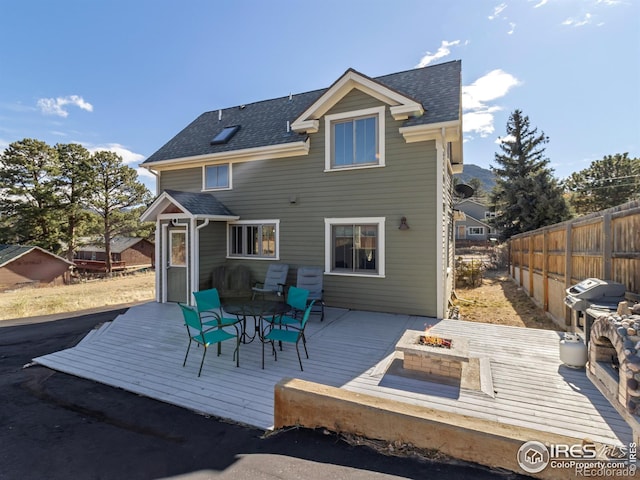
(500, 301)
(35, 301)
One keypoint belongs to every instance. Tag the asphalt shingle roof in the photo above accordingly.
(200, 203)
(264, 123)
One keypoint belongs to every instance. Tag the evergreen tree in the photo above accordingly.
(74, 185)
(526, 195)
(29, 205)
(609, 182)
(116, 192)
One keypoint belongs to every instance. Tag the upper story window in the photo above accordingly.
(489, 215)
(355, 139)
(254, 239)
(475, 230)
(217, 177)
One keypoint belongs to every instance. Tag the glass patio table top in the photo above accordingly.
(256, 309)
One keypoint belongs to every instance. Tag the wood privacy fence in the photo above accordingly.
(605, 245)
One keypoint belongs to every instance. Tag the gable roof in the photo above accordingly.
(199, 205)
(118, 244)
(435, 90)
(10, 253)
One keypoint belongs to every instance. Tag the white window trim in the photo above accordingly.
(329, 119)
(215, 189)
(475, 234)
(328, 245)
(254, 222)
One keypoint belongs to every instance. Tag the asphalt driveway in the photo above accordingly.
(56, 426)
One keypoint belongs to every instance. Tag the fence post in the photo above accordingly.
(568, 268)
(545, 270)
(607, 247)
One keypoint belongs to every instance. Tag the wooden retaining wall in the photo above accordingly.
(605, 245)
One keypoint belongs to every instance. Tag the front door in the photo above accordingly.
(176, 265)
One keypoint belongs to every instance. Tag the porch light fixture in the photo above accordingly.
(403, 224)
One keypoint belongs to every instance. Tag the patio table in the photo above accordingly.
(257, 309)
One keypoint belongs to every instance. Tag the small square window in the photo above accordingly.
(217, 177)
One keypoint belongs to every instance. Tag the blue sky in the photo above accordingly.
(128, 75)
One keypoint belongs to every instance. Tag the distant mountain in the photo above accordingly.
(474, 171)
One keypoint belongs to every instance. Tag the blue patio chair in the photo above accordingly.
(206, 338)
(280, 333)
(311, 278)
(274, 281)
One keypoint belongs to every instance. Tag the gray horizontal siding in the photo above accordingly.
(406, 186)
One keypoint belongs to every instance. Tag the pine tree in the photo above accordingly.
(609, 182)
(116, 194)
(29, 205)
(526, 196)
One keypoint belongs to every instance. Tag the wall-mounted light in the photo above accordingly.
(293, 199)
(403, 224)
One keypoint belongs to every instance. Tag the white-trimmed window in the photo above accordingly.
(254, 239)
(475, 230)
(489, 215)
(355, 139)
(355, 246)
(216, 177)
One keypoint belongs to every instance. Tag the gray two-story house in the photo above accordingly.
(475, 227)
(355, 178)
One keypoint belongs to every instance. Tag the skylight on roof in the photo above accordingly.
(225, 135)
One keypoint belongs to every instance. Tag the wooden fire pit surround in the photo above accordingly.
(614, 360)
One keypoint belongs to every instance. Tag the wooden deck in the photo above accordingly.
(142, 351)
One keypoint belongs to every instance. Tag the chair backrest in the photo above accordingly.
(276, 275)
(310, 278)
(297, 298)
(305, 317)
(191, 317)
(207, 300)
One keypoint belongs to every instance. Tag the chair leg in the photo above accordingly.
(202, 362)
(299, 359)
(236, 354)
(185, 357)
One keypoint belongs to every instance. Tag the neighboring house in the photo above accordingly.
(319, 178)
(23, 265)
(125, 251)
(475, 227)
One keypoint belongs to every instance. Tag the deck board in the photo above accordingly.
(143, 349)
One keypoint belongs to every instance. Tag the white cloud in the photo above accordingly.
(478, 113)
(497, 11)
(508, 138)
(513, 28)
(541, 3)
(574, 22)
(55, 106)
(443, 51)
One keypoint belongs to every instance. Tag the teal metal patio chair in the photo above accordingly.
(274, 281)
(209, 305)
(280, 333)
(206, 338)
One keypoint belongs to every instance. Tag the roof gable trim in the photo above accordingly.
(402, 107)
(30, 249)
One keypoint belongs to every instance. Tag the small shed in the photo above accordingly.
(126, 251)
(22, 265)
